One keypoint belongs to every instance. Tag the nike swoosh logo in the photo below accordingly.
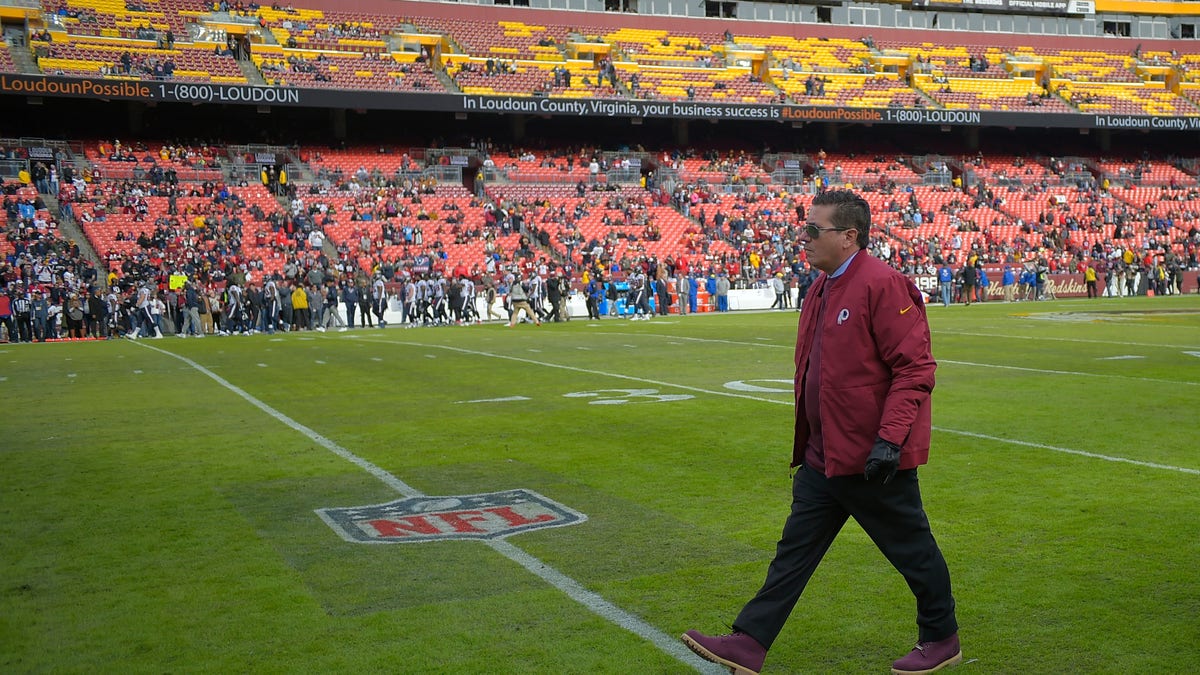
(905, 310)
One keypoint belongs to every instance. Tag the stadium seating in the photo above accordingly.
(699, 84)
(661, 47)
(854, 91)
(1127, 99)
(117, 233)
(333, 31)
(6, 62)
(91, 56)
(471, 76)
(361, 50)
(500, 40)
(121, 162)
(820, 55)
(1030, 206)
(990, 94)
(1085, 65)
(399, 71)
(1026, 210)
(122, 19)
(949, 60)
(732, 167)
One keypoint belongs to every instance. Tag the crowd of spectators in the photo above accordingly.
(207, 233)
(45, 280)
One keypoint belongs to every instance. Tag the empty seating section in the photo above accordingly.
(660, 47)
(470, 74)
(1158, 201)
(1157, 173)
(950, 60)
(6, 62)
(724, 85)
(122, 19)
(91, 57)
(990, 94)
(335, 31)
(399, 71)
(1136, 99)
(735, 168)
(843, 169)
(995, 169)
(348, 162)
(824, 55)
(503, 40)
(1189, 69)
(1085, 66)
(544, 168)
(855, 91)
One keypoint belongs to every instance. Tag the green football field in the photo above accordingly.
(189, 505)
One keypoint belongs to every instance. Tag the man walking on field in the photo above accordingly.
(864, 374)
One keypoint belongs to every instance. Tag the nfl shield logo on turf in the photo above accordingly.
(493, 515)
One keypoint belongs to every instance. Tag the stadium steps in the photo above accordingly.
(447, 81)
(21, 56)
(1056, 92)
(252, 73)
(930, 102)
(70, 230)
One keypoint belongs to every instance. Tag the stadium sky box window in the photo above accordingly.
(722, 10)
(630, 6)
(1118, 28)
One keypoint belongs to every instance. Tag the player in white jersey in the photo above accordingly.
(233, 309)
(270, 308)
(438, 286)
(466, 308)
(424, 295)
(411, 305)
(114, 310)
(143, 320)
(537, 293)
(379, 300)
(639, 295)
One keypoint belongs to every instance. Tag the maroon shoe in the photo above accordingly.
(929, 657)
(739, 652)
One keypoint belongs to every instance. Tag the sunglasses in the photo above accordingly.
(814, 232)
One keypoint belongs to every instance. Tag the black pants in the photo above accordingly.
(892, 515)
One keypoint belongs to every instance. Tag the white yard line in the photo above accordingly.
(957, 363)
(1071, 451)
(788, 402)
(1073, 373)
(573, 589)
(1063, 339)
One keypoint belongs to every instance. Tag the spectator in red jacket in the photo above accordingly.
(863, 426)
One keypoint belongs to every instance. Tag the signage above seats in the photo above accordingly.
(200, 94)
(1051, 7)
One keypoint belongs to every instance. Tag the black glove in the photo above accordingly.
(883, 461)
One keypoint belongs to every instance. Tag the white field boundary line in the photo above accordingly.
(1063, 339)
(972, 364)
(594, 602)
(789, 402)
(1073, 373)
